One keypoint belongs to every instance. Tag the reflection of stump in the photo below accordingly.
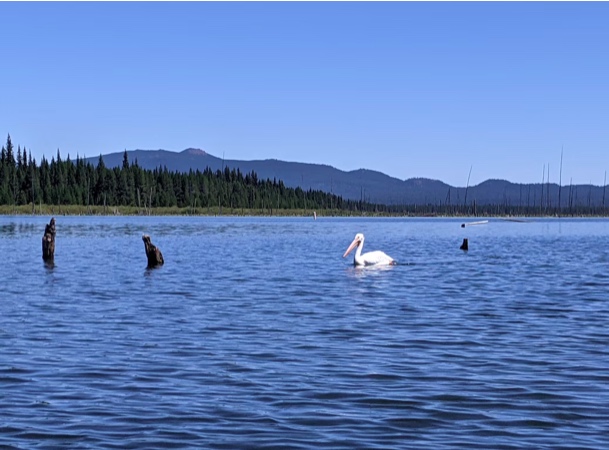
(464, 246)
(155, 257)
(48, 241)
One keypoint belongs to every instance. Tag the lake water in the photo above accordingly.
(256, 333)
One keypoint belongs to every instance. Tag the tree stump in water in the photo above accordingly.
(48, 241)
(464, 246)
(154, 255)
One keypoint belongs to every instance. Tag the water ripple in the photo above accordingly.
(257, 334)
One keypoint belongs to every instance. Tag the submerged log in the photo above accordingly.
(155, 257)
(465, 245)
(480, 222)
(48, 241)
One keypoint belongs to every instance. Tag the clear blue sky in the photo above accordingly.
(408, 89)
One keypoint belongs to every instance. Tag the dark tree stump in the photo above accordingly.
(48, 241)
(464, 246)
(154, 255)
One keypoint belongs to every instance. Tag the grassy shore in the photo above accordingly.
(77, 210)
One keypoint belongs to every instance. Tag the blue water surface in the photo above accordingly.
(257, 334)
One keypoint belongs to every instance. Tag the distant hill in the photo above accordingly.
(366, 184)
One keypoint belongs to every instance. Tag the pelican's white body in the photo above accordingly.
(376, 258)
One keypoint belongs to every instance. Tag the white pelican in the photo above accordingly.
(376, 258)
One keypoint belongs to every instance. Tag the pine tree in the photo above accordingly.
(125, 161)
(101, 185)
(10, 158)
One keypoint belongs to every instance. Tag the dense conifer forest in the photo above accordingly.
(59, 182)
(27, 186)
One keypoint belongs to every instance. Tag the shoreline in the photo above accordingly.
(76, 210)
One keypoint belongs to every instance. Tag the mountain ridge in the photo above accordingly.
(366, 184)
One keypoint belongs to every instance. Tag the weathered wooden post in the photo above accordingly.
(155, 257)
(48, 241)
(465, 245)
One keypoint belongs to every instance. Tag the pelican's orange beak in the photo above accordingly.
(353, 245)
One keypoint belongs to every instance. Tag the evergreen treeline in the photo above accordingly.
(67, 182)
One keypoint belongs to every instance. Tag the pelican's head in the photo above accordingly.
(357, 241)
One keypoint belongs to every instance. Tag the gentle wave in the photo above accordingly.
(257, 334)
